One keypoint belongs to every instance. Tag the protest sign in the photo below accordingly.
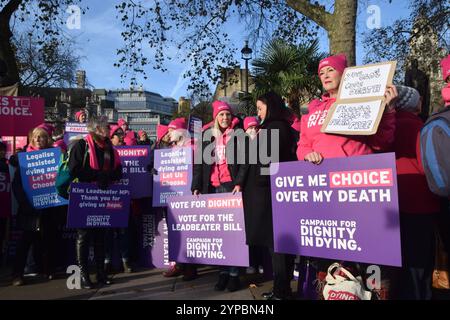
(154, 240)
(360, 103)
(135, 160)
(9, 141)
(92, 207)
(74, 131)
(343, 209)
(38, 170)
(195, 126)
(207, 229)
(174, 178)
(18, 115)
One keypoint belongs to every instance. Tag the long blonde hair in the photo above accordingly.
(40, 131)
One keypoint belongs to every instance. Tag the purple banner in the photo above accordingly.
(208, 229)
(174, 176)
(74, 131)
(135, 160)
(343, 209)
(154, 241)
(91, 207)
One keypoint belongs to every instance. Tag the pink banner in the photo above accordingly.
(18, 115)
(20, 143)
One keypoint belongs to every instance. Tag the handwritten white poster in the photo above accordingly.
(357, 117)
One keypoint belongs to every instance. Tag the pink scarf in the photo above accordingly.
(93, 156)
(32, 148)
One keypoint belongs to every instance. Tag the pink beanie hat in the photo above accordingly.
(121, 122)
(446, 95)
(250, 122)
(338, 62)
(78, 114)
(219, 106)
(178, 123)
(161, 131)
(48, 128)
(445, 66)
(113, 129)
(141, 132)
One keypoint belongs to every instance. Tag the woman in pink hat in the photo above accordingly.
(143, 138)
(38, 225)
(130, 136)
(220, 174)
(178, 134)
(80, 116)
(315, 145)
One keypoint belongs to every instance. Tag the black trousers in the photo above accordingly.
(283, 268)
(84, 238)
(3, 225)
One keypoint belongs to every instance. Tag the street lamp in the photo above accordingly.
(246, 55)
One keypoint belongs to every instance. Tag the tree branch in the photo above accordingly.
(315, 12)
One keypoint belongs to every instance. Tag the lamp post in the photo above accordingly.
(246, 56)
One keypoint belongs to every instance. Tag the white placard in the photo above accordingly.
(355, 118)
(365, 81)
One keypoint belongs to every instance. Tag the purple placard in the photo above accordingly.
(74, 131)
(135, 160)
(154, 240)
(207, 229)
(174, 176)
(91, 207)
(343, 209)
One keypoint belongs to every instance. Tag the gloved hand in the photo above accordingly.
(153, 171)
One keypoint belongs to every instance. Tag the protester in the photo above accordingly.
(38, 225)
(315, 145)
(274, 122)
(225, 174)
(58, 138)
(435, 145)
(130, 135)
(103, 168)
(251, 126)
(80, 116)
(143, 138)
(418, 206)
(178, 134)
(5, 215)
(162, 137)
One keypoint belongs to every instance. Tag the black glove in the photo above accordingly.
(102, 180)
(153, 171)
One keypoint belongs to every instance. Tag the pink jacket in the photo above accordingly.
(334, 146)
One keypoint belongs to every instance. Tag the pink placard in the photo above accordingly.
(18, 115)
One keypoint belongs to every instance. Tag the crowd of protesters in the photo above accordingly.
(94, 159)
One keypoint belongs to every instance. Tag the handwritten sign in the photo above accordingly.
(360, 118)
(360, 103)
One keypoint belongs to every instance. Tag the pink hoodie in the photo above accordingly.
(334, 146)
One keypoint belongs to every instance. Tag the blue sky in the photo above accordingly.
(99, 37)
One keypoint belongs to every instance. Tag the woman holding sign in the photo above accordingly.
(102, 166)
(38, 225)
(222, 175)
(315, 145)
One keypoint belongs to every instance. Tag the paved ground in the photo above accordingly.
(143, 284)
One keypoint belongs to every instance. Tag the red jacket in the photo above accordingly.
(414, 196)
(334, 146)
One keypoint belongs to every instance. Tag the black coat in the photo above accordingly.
(235, 155)
(257, 193)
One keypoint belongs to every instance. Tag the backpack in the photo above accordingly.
(435, 152)
(63, 177)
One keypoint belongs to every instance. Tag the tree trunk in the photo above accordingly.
(6, 49)
(342, 29)
(341, 25)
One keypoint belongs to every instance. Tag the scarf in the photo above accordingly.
(93, 162)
